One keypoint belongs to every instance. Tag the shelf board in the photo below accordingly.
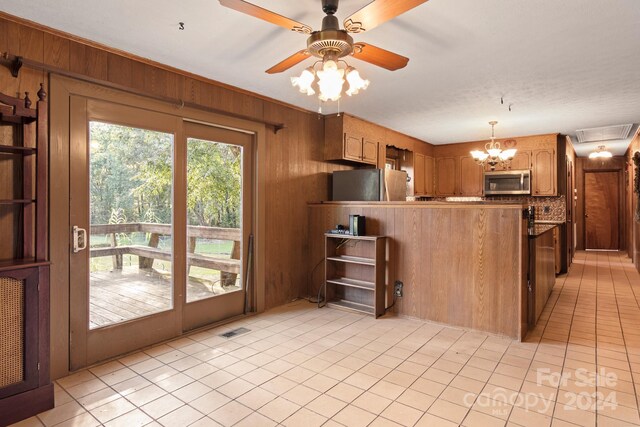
(15, 264)
(16, 201)
(17, 150)
(361, 308)
(351, 237)
(353, 260)
(353, 283)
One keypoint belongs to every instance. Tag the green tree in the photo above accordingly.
(131, 173)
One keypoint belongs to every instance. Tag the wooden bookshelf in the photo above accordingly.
(355, 272)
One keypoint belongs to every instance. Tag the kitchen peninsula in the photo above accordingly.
(462, 264)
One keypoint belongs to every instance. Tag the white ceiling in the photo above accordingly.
(563, 65)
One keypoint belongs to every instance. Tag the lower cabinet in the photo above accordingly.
(25, 386)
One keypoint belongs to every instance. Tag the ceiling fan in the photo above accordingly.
(332, 43)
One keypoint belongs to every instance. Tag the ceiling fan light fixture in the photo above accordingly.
(305, 80)
(330, 81)
(356, 82)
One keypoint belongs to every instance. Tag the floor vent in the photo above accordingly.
(235, 332)
(605, 133)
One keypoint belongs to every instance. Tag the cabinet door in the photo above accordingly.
(470, 177)
(429, 175)
(543, 174)
(352, 147)
(369, 151)
(522, 160)
(418, 174)
(446, 176)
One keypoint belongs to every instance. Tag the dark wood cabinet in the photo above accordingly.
(25, 386)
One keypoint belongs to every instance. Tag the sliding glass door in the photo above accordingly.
(160, 221)
(219, 165)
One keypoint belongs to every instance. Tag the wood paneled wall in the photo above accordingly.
(296, 171)
(584, 164)
(448, 257)
(632, 233)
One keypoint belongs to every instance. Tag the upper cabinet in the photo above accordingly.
(544, 172)
(544, 155)
(349, 138)
(458, 176)
(522, 160)
(424, 174)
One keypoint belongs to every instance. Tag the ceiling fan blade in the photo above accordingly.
(378, 56)
(266, 15)
(377, 12)
(289, 62)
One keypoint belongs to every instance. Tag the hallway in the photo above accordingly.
(300, 366)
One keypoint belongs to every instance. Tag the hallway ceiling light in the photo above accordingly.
(601, 153)
(493, 155)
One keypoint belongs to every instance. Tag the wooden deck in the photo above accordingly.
(121, 295)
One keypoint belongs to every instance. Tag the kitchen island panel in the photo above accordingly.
(460, 266)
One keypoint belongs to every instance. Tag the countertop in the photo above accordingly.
(540, 228)
(426, 204)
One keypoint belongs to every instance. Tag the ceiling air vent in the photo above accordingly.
(605, 133)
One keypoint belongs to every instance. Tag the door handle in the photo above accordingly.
(79, 239)
(586, 216)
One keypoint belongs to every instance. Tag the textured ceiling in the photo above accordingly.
(563, 65)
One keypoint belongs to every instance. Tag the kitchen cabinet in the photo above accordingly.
(349, 138)
(446, 168)
(458, 176)
(429, 175)
(544, 172)
(423, 175)
(470, 177)
(418, 174)
(522, 160)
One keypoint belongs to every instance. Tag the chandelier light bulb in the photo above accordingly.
(330, 81)
(304, 81)
(356, 83)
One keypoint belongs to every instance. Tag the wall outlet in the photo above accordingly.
(397, 288)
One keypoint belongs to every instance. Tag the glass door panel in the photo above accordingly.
(130, 251)
(214, 218)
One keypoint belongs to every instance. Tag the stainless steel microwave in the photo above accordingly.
(507, 182)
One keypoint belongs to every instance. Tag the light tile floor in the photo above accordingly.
(300, 366)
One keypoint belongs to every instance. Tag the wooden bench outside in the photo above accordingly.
(229, 268)
(197, 260)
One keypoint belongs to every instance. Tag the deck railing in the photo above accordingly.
(229, 267)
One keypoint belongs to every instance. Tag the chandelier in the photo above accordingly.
(329, 79)
(493, 155)
(601, 153)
